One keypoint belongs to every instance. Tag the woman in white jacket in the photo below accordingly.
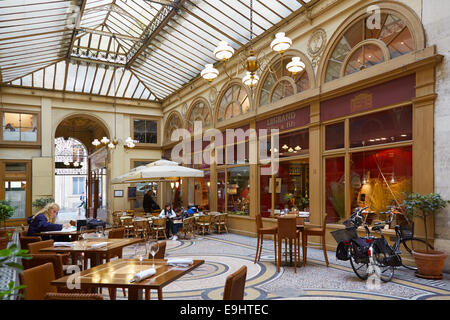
(169, 214)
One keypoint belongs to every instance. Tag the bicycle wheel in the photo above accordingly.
(360, 268)
(385, 272)
(415, 243)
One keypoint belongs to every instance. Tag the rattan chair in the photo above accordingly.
(159, 226)
(315, 231)
(127, 223)
(235, 285)
(116, 219)
(141, 228)
(37, 281)
(204, 222)
(188, 227)
(287, 230)
(260, 232)
(220, 222)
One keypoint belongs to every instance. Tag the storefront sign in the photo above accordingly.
(385, 94)
(285, 121)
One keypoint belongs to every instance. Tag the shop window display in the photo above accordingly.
(221, 190)
(335, 189)
(380, 178)
(335, 136)
(238, 190)
(292, 186)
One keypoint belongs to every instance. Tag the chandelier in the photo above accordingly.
(112, 143)
(224, 52)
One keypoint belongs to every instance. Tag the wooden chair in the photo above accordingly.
(204, 222)
(127, 223)
(235, 285)
(260, 232)
(73, 296)
(141, 228)
(37, 281)
(116, 219)
(220, 222)
(287, 230)
(130, 212)
(159, 226)
(25, 240)
(315, 231)
(35, 247)
(188, 227)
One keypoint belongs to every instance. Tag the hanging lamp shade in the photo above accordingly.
(104, 140)
(281, 43)
(223, 51)
(296, 65)
(250, 79)
(209, 73)
(96, 142)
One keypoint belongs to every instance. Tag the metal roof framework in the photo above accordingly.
(144, 49)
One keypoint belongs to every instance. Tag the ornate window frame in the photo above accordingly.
(168, 126)
(193, 105)
(222, 92)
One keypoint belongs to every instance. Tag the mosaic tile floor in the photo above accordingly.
(225, 253)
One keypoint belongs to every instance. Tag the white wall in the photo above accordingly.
(436, 20)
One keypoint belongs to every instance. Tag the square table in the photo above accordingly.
(118, 273)
(85, 247)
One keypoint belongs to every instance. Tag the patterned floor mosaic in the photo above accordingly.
(225, 253)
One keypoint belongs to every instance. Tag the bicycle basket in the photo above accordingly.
(344, 234)
(407, 231)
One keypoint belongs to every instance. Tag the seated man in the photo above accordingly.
(192, 209)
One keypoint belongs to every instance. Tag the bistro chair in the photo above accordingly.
(141, 228)
(235, 285)
(37, 281)
(220, 222)
(204, 222)
(188, 227)
(159, 226)
(127, 223)
(73, 296)
(315, 231)
(287, 230)
(116, 219)
(25, 240)
(159, 255)
(130, 212)
(260, 232)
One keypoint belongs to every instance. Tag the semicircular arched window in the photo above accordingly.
(279, 84)
(393, 34)
(199, 112)
(174, 122)
(234, 102)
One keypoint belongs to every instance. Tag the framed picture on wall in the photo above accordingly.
(118, 193)
(131, 192)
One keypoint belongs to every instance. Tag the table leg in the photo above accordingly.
(160, 297)
(135, 294)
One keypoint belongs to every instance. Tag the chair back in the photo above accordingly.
(287, 227)
(324, 222)
(25, 240)
(235, 285)
(116, 233)
(159, 223)
(116, 218)
(155, 214)
(37, 281)
(161, 252)
(205, 219)
(73, 296)
(43, 258)
(223, 218)
(126, 221)
(36, 247)
(24, 227)
(130, 212)
(258, 220)
(140, 224)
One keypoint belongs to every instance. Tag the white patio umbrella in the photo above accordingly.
(161, 170)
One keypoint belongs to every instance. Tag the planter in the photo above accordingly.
(4, 232)
(4, 242)
(429, 264)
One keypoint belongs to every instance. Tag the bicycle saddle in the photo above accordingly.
(378, 227)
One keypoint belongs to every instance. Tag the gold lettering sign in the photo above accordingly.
(361, 102)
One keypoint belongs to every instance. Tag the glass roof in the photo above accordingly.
(139, 49)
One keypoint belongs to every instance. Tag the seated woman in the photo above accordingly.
(177, 222)
(168, 213)
(44, 220)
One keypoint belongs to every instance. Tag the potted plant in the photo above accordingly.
(6, 212)
(42, 202)
(7, 260)
(429, 262)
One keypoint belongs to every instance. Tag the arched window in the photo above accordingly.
(279, 83)
(391, 39)
(200, 111)
(173, 122)
(234, 102)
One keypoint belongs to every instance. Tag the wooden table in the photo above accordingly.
(98, 253)
(118, 273)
